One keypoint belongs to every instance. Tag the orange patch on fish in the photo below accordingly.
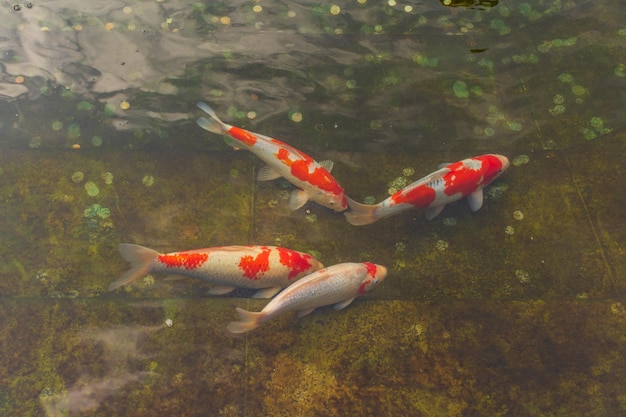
(463, 180)
(295, 261)
(243, 135)
(254, 267)
(183, 260)
(421, 196)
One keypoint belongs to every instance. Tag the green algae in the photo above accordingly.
(84, 106)
(96, 141)
(91, 188)
(73, 131)
(78, 177)
(460, 89)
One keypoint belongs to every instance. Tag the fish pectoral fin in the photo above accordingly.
(432, 212)
(343, 304)
(328, 164)
(266, 292)
(475, 200)
(174, 278)
(232, 143)
(303, 313)
(267, 173)
(298, 199)
(221, 290)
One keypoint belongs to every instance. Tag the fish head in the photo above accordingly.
(337, 202)
(315, 265)
(375, 274)
(494, 165)
(334, 200)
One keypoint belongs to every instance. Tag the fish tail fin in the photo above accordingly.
(214, 125)
(249, 320)
(361, 214)
(140, 259)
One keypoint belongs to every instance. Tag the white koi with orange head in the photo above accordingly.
(338, 284)
(451, 182)
(312, 178)
(267, 268)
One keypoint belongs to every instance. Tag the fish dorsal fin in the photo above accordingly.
(266, 292)
(432, 212)
(328, 164)
(267, 173)
(221, 289)
(298, 199)
(475, 200)
(303, 313)
(343, 304)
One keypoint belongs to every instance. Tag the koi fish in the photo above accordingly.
(451, 182)
(312, 178)
(338, 284)
(267, 268)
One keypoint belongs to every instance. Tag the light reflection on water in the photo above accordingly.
(386, 90)
(410, 76)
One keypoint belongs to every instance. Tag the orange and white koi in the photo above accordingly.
(451, 182)
(312, 178)
(267, 268)
(338, 284)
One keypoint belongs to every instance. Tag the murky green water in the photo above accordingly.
(514, 310)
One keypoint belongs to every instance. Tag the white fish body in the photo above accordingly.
(267, 268)
(311, 177)
(338, 284)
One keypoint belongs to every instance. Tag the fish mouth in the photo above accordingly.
(381, 272)
(504, 160)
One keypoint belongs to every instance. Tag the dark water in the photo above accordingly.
(514, 310)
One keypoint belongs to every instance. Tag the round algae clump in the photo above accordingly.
(148, 180)
(558, 99)
(460, 89)
(77, 177)
(558, 109)
(296, 117)
(96, 141)
(520, 160)
(57, 125)
(566, 78)
(103, 212)
(73, 131)
(335, 10)
(92, 211)
(84, 105)
(596, 123)
(107, 177)
(516, 126)
(441, 245)
(589, 134)
(370, 199)
(518, 215)
(450, 221)
(579, 90)
(92, 188)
